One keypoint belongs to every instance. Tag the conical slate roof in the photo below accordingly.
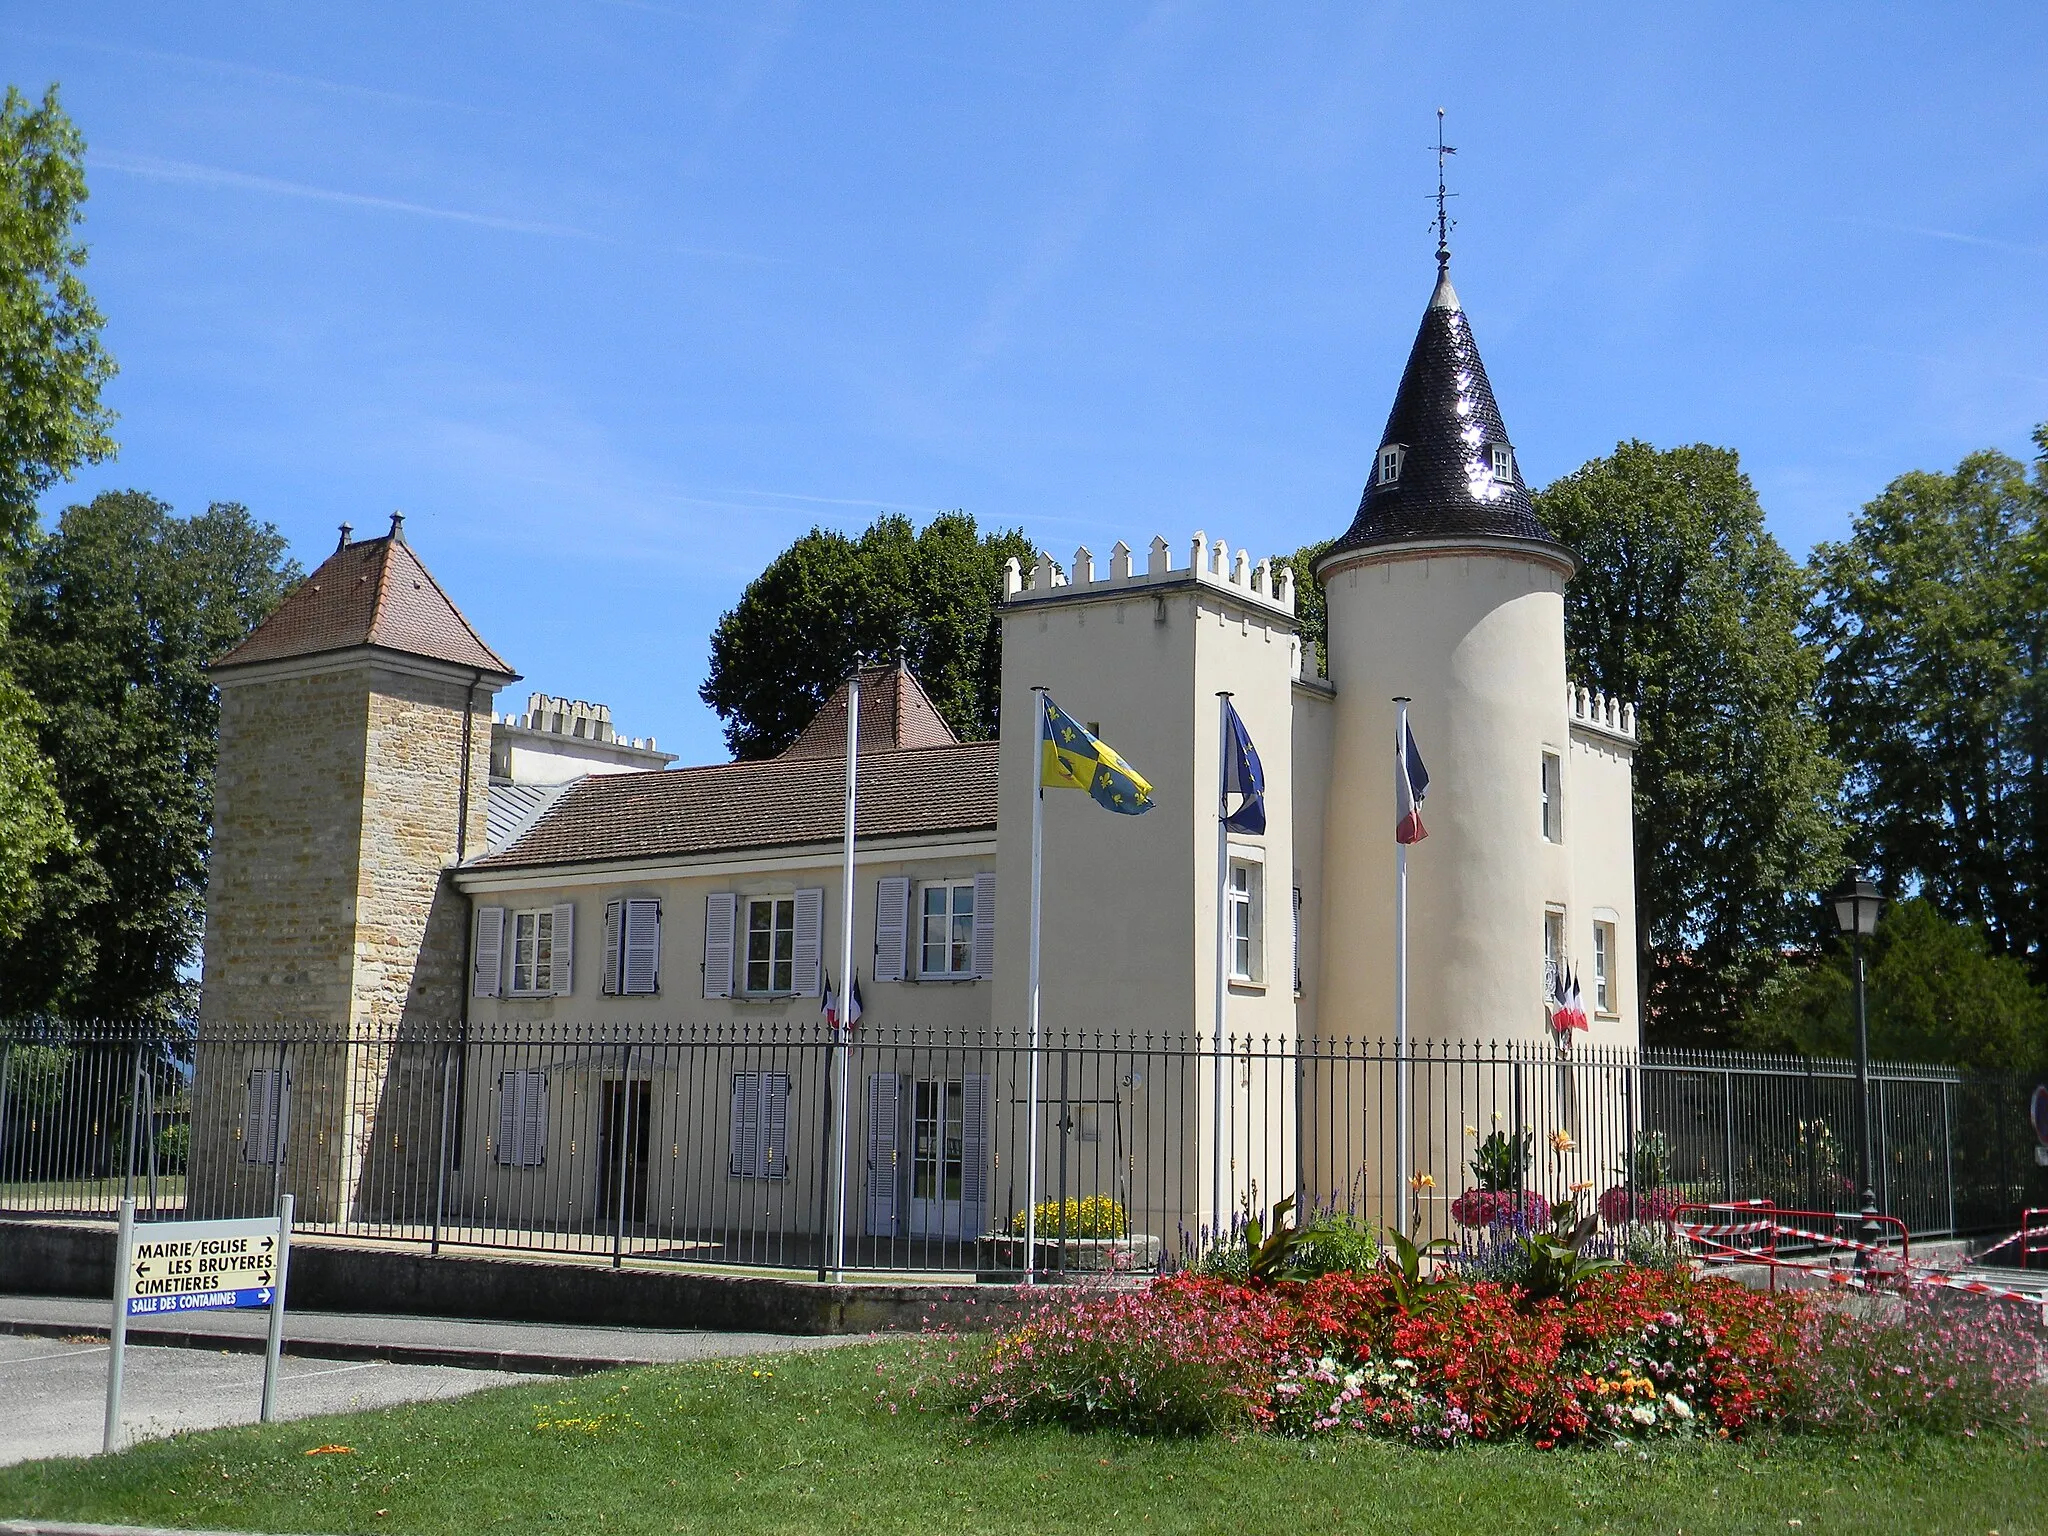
(1446, 426)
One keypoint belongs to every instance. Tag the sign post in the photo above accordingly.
(191, 1266)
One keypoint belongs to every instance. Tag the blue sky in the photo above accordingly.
(616, 297)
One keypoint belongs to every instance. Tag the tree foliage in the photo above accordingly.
(116, 615)
(829, 600)
(1311, 613)
(1936, 992)
(33, 828)
(1934, 616)
(51, 362)
(1687, 606)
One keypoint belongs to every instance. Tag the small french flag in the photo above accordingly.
(1411, 783)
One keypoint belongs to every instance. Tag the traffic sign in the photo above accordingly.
(188, 1266)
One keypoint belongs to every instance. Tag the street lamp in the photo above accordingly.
(1856, 905)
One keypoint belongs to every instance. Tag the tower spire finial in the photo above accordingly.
(1444, 221)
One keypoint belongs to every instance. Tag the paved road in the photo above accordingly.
(53, 1365)
(56, 1391)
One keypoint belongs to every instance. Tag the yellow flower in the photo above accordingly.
(1423, 1181)
(1561, 1141)
(1582, 1186)
(1496, 1117)
(1472, 1130)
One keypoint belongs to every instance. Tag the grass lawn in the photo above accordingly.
(798, 1443)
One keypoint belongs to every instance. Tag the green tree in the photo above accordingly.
(51, 418)
(1310, 612)
(829, 599)
(115, 618)
(51, 369)
(1936, 993)
(1687, 606)
(1934, 616)
(33, 828)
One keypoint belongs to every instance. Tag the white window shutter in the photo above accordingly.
(490, 951)
(810, 944)
(775, 1125)
(613, 914)
(974, 1158)
(984, 926)
(261, 1115)
(892, 926)
(719, 916)
(640, 964)
(563, 950)
(744, 1137)
(533, 1119)
(885, 1101)
(507, 1150)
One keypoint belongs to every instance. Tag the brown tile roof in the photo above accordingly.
(894, 712)
(372, 592)
(617, 817)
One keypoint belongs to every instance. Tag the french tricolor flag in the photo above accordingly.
(1411, 783)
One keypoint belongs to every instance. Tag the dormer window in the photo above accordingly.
(1390, 463)
(1503, 462)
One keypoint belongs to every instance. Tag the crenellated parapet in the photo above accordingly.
(1605, 716)
(1209, 563)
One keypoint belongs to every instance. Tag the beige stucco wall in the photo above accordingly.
(1476, 640)
(1130, 918)
(1599, 791)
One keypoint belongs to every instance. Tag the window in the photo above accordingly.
(533, 953)
(1247, 961)
(1553, 798)
(264, 1114)
(1553, 948)
(758, 1142)
(1503, 462)
(1390, 463)
(946, 931)
(522, 1119)
(632, 947)
(1603, 968)
(771, 944)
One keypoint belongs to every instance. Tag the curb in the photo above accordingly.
(69, 1528)
(511, 1360)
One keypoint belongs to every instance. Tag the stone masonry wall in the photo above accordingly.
(328, 909)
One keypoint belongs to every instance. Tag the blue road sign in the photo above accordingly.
(199, 1301)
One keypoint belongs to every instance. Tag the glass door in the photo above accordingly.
(937, 1157)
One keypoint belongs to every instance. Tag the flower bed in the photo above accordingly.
(1632, 1353)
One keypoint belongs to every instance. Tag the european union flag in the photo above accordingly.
(1073, 759)
(1243, 775)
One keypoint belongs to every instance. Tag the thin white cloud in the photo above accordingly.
(192, 174)
(252, 72)
(1957, 236)
(241, 181)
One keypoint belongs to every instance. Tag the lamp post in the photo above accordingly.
(1856, 906)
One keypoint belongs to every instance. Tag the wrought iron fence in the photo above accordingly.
(778, 1147)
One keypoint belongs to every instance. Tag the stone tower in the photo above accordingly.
(1446, 590)
(355, 736)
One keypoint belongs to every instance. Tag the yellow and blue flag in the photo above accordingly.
(1074, 759)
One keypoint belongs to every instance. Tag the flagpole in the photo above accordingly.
(1401, 1085)
(1218, 1131)
(1037, 884)
(841, 1034)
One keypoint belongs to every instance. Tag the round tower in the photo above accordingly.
(1447, 592)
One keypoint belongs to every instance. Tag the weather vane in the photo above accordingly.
(1444, 222)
